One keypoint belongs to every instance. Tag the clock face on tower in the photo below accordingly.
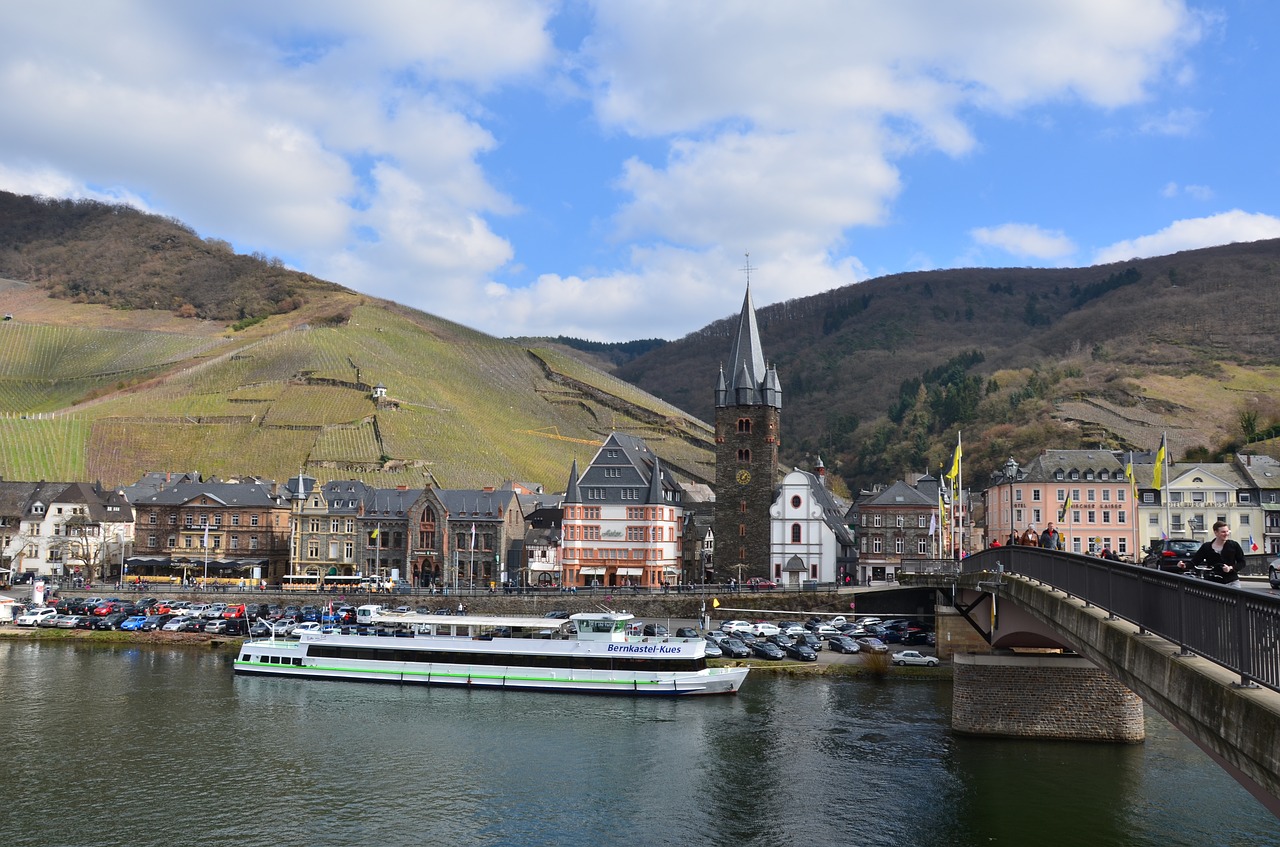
(744, 477)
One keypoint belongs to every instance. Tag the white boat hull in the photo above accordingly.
(299, 660)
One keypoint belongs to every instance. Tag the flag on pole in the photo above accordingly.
(955, 462)
(933, 523)
(1158, 477)
(1062, 513)
(715, 604)
(473, 536)
(1253, 545)
(206, 537)
(375, 533)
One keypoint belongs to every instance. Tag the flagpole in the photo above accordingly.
(1163, 456)
(957, 510)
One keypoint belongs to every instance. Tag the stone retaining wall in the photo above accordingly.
(1051, 696)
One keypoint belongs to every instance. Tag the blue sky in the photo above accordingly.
(600, 169)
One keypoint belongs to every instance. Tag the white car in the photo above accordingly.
(34, 616)
(914, 657)
(735, 626)
(305, 627)
(764, 629)
(175, 624)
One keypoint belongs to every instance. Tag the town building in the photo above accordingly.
(223, 532)
(466, 537)
(1191, 497)
(383, 527)
(896, 525)
(1084, 492)
(63, 529)
(748, 422)
(1262, 474)
(622, 519)
(325, 531)
(810, 541)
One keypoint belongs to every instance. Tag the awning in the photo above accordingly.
(544, 566)
(148, 560)
(629, 571)
(591, 571)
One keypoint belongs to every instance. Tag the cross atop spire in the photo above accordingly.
(747, 269)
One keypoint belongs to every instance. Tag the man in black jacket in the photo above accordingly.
(1223, 557)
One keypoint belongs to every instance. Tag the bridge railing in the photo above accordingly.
(1235, 628)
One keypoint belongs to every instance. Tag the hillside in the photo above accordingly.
(879, 377)
(248, 368)
(135, 345)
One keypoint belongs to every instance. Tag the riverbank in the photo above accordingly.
(828, 664)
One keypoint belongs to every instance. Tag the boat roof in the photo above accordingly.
(389, 616)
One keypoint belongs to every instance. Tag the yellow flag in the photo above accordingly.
(1159, 474)
(715, 604)
(955, 464)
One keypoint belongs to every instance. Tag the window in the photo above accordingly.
(1093, 516)
(900, 521)
(313, 549)
(1093, 495)
(1106, 495)
(1148, 497)
(795, 502)
(1197, 496)
(922, 546)
(1062, 495)
(1088, 474)
(189, 520)
(1120, 516)
(742, 530)
(1244, 520)
(744, 455)
(899, 545)
(1175, 496)
(1035, 516)
(1153, 519)
(744, 425)
(253, 520)
(234, 542)
(795, 533)
(1119, 495)
(920, 522)
(1035, 495)
(1245, 498)
(876, 520)
(151, 541)
(1106, 517)
(876, 545)
(1219, 496)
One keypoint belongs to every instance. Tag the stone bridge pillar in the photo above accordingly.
(1042, 696)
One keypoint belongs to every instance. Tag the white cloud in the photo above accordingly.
(1225, 228)
(1177, 122)
(1025, 241)
(352, 139)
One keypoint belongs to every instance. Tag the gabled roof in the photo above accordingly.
(255, 495)
(833, 509)
(625, 463)
(478, 504)
(901, 495)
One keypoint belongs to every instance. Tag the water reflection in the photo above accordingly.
(150, 745)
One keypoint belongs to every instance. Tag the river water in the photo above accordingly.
(154, 745)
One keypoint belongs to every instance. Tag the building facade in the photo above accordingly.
(623, 519)
(223, 531)
(748, 435)
(1084, 492)
(810, 541)
(63, 529)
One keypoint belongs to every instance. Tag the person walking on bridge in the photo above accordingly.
(1051, 539)
(1223, 557)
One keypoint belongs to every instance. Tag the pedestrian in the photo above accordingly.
(1030, 538)
(1223, 557)
(1051, 539)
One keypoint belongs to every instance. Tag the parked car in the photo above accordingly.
(194, 624)
(111, 621)
(873, 645)
(757, 583)
(792, 627)
(919, 636)
(34, 616)
(298, 630)
(1273, 573)
(260, 629)
(842, 644)
(283, 626)
(655, 630)
(213, 610)
(814, 642)
(764, 629)
(686, 632)
(1172, 555)
(713, 650)
(133, 623)
(55, 621)
(781, 639)
(215, 626)
(71, 621)
(733, 648)
(768, 650)
(803, 652)
(175, 624)
(155, 622)
(235, 610)
(732, 627)
(914, 657)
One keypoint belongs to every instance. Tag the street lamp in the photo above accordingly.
(1011, 476)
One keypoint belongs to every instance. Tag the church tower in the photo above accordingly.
(748, 421)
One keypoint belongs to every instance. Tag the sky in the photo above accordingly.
(609, 170)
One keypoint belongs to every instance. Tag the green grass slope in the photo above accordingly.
(462, 409)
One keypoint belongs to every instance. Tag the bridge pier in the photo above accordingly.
(1042, 696)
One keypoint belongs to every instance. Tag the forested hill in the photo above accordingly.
(879, 377)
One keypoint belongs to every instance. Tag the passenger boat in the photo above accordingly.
(590, 652)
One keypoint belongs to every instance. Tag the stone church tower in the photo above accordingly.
(748, 432)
